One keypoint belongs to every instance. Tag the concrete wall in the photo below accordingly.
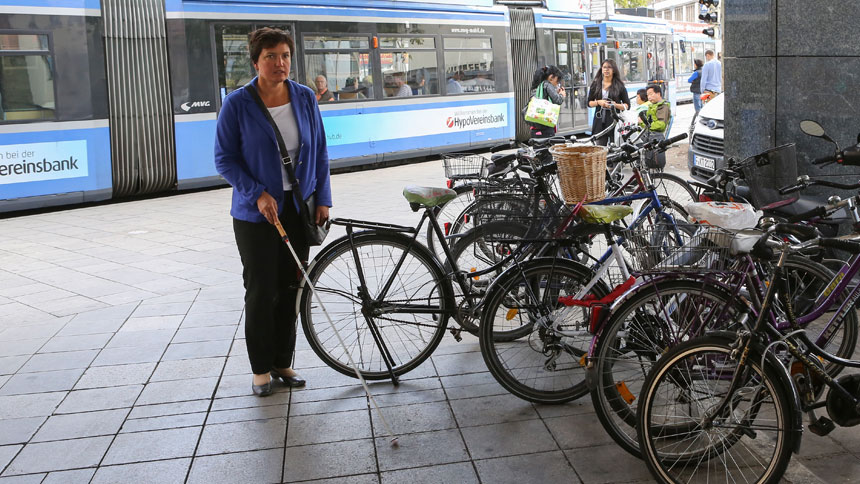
(789, 60)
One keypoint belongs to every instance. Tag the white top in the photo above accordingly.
(404, 90)
(286, 122)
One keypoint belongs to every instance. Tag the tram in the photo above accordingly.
(118, 98)
(689, 44)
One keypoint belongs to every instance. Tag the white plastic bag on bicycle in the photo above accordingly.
(628, 120)
(727, 215)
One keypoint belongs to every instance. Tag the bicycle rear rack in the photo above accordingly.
(363, 224)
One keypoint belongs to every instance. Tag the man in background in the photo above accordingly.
(712, 74)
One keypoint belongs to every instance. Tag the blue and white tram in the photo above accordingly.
(94, 105)
(641, 47)
(690, 44)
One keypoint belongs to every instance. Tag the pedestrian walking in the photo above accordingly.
(695, 81)
(247, 155)
(550, 78)
(607, 90)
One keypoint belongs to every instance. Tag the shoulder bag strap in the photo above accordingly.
(285, 155)
(539, 92)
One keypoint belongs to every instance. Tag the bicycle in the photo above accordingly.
(733, 402)
(391, 299)
(674, 303)
(549, 365)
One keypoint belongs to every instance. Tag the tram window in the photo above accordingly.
(409, 66)
(469, 65)
(664, 64)
(339, 64)
(331, 42)
(26, 78)
(630, 60)
(467, 43)
(235, 68)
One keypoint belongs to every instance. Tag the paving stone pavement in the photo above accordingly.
(122, 359)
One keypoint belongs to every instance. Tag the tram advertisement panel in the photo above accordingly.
(348, 129)
(43, 161)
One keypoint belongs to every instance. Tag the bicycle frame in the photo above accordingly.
(825, 301)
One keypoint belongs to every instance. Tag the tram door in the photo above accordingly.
(570, 58)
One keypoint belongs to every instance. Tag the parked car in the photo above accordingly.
(705, 154)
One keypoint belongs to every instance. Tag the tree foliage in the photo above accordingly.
(631, 3)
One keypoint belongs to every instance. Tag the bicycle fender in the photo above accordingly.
(660, 278)
(784, 380)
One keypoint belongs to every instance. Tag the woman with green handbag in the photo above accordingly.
(541, 116)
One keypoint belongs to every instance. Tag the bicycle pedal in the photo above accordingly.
(456, 334)
(822, 426)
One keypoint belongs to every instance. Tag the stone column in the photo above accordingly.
(789, 60)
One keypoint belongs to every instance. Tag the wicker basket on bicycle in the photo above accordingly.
(581, 172)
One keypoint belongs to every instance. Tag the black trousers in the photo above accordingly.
(271, 277)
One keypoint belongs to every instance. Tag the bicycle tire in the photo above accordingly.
(482, 248)
(674, 188)
(447, 213)
(335, 278)
(507, 207)
(803, 294)
(631, 341)
(560, 377)
(681, 376)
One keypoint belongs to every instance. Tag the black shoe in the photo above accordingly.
(263, 390)
(290, 381)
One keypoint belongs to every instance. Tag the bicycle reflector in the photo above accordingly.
(447, 228)
(450, 183)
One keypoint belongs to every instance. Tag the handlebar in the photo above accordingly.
(804, 182)
(672, 140)
(848, 156)
(840, 244)
(809, 214)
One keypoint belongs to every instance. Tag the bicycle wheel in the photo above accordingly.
(448, 213)
(546, 364)
(494, 208)
(807, 280)
(479, 249)
(674, 188)
(409, 331)
(657, 316)
(683, 441)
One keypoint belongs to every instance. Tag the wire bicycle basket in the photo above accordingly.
(655, 250)
(464, 166)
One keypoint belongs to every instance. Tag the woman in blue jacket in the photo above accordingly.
(247, 156)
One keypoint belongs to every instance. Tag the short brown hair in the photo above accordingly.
(266, 38)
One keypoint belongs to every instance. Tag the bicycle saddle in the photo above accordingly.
(428, 196)
(604, 214)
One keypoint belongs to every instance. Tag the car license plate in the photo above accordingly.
(705, 162)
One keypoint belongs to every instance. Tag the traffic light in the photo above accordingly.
(709, 31)
(710, 3)
(710, 17)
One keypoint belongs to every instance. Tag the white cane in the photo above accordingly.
(301, 266)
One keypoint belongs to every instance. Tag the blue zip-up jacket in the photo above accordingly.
(247, 154)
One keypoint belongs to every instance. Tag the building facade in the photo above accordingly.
(677, 10)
